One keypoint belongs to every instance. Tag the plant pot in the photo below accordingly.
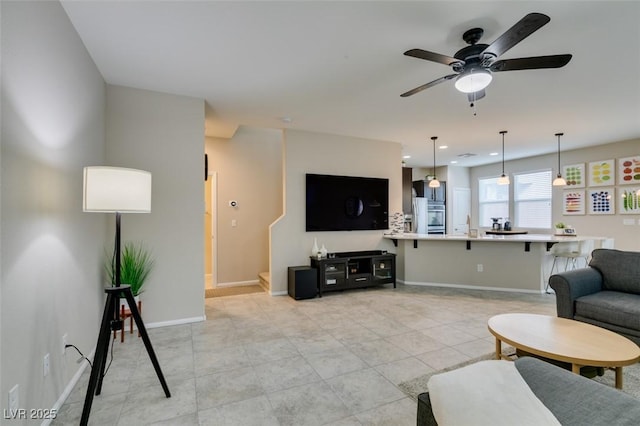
(125, 304)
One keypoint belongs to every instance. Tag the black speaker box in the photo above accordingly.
(303, 282)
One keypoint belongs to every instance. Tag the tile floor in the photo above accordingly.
(262, 360)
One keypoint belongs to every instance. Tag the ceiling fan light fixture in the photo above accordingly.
(473, 80)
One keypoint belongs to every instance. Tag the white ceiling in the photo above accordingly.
(338, 67)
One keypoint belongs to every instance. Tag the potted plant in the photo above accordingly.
(136, 264)
(560, 228)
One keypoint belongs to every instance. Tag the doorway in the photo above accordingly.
(461, 211)
(210, 231)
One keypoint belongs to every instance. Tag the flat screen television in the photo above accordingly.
(346, 203)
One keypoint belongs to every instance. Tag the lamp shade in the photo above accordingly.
(116, 189)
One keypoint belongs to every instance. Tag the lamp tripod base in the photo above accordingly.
(111, 319)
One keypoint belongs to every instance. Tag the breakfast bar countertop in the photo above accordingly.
(533, 238)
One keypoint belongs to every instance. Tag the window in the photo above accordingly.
(493, 201)
(532, 199)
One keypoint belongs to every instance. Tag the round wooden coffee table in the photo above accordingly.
(561, 339)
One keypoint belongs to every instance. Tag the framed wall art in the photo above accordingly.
(629, 170)
(573, 203)
(574, 174)
(601, 201)
(629, 199)
(602, 173)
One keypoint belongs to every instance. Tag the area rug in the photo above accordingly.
(418, 385)
(232, 291)
(631, 378)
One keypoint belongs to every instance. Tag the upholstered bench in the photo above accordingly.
(571, 398)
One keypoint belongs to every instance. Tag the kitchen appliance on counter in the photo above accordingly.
(507, 225)
(496, 225)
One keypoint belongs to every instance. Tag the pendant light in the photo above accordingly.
(503, 179)
(434, 183)
(559, 180)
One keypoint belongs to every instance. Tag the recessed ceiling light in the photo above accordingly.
(454, 161)
(443, 146)
(493, 153)
(406, 156)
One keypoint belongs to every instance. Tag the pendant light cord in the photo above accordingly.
(558, 135)
(502, 133)
(433, 138)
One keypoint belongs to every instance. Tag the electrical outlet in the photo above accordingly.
(480, 267)
(14, 400)
(45, 365)
(65, 339)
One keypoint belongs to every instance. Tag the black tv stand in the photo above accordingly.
(354, 269)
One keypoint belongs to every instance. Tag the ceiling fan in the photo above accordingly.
(473, 65)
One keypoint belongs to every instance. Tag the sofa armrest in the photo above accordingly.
(425, 415)
(571, 285)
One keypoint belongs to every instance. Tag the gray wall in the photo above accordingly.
(164, 134)
(307, 152)
(249, 170)
(626, 236)
(53, 107)
(57, 117)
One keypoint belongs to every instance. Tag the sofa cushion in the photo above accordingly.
(620, 269)
(611, 307)
(576, 400)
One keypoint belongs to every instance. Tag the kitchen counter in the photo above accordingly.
(507, 238)
(490, 262)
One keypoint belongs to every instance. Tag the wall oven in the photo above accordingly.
(436, 216)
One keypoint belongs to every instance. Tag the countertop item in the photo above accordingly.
(506, 232)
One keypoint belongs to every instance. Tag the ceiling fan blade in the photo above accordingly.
(536, 62)
(430, 84)
(431, 56)
(514, 35)
(476, 96)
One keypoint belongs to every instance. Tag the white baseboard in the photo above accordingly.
(174, 322)
(74, 380)
(237, 283)
(69, 388)
(279, 293)
(471, 287)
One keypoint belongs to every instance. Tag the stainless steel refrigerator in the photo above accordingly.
(428, 217)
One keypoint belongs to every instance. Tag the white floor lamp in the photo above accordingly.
(116, 190)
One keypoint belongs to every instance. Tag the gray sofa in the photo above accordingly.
(606, 294)
(573, 399)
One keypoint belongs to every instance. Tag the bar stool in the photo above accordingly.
(585, 247)
(571, 251)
